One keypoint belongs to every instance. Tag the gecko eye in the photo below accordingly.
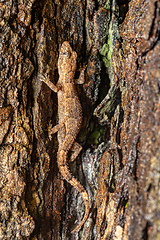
(66, 54)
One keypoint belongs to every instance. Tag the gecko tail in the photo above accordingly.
(86, 201)
(63, 167)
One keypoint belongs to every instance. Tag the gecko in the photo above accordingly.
(69, 119)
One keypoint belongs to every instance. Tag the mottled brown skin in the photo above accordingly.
(70, 118)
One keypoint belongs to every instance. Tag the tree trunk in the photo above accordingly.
(117, 42)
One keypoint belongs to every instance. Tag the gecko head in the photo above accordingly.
(67, 61)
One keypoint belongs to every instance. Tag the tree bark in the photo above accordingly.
(118, 43)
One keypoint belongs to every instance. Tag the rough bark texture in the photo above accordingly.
(118, 42)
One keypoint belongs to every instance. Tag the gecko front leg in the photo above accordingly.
(48, 82)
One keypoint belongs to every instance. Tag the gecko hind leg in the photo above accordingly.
(55, 129)
(76, 148)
